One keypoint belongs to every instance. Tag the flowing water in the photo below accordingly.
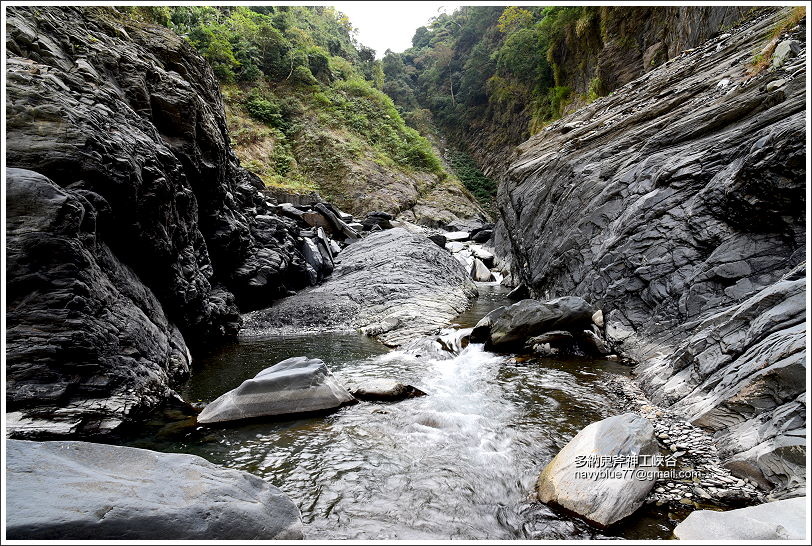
(458, 463)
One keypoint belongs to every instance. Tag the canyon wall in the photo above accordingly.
(677, 205)
(608, 47)
(132, 230)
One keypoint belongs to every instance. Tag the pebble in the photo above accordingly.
(702, 493)
(699, 457)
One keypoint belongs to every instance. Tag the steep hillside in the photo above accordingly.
(305, 111)
(677, 204)
(489, 77)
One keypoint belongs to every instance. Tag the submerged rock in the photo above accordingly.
(292, 386)
(779, 520)
(480, 272)
(86, 491)
(384, 390)
(603, 493)
(393, 284)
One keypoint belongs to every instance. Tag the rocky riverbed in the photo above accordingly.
(367, 377)
(699, 476)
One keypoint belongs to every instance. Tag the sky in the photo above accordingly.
(391, 25)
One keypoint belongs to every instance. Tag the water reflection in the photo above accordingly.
(458, 463)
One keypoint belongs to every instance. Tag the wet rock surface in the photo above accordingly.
(778, 520)
(562, 325)
(384, 390)
(697, 477)
(137, 494)
(742, 374)
(292, 386)
(88, 344)
(672, 204)
(394, 285)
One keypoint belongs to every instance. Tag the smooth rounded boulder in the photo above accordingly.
(783, 519)
(605, 472)
(81, 490)
(293, 386)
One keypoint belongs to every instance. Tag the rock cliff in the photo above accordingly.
(606, 49)
(133, 231)
(676, 204)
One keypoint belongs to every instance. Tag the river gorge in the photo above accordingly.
(270, 304)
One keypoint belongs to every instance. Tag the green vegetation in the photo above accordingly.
(292, 77)
(493, 66)
(482, 187)
(763, 58)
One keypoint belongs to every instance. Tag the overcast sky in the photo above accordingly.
(391, 25)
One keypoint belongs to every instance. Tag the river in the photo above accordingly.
(459, 463)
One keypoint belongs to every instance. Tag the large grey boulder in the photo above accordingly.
(79, 490)
(292, 386)
(393, 284)
(783, 519)
(583, 489)
(512, 326)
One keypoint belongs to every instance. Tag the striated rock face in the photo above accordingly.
(622, 43)
(88, 343)
(616, 45)
(676, 205)
(393, 284)
(150, 229)
(82, 490)
(743, 374)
